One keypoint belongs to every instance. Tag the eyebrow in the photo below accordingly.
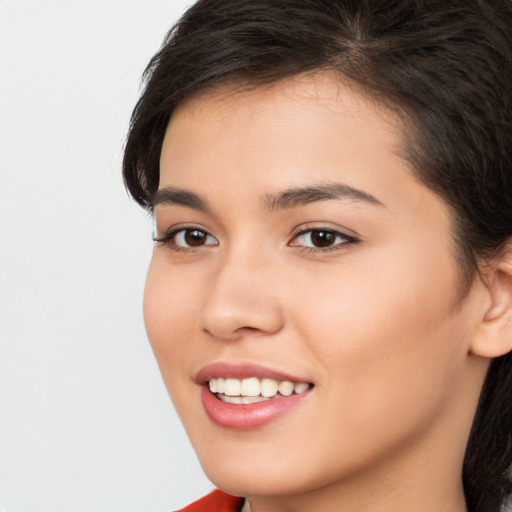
(287, 199)
(179, 197)
(301, 196)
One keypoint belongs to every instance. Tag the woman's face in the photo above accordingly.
(298, 247)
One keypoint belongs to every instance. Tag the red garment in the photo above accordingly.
(216, 501)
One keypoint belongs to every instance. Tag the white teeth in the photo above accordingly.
(232, 387)
(231, 399)
(241, 399)
(250, 387)
(300, 387)
(252, 399)
(269, 388)
(285, 388)
(250, 390)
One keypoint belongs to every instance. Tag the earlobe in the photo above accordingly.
(493, 337)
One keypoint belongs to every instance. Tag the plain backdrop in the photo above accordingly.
(85, 422)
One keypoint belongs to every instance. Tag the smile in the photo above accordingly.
(253, 390)
(249, 396)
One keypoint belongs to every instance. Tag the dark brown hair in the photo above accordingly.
(445, 66)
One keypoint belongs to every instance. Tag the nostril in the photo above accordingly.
(231, 334)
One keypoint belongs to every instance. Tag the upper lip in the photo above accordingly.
(242, 371)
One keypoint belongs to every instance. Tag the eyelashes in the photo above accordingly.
(186, 239)
(310, 239)
(321, 239)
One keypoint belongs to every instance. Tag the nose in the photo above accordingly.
(243, 299)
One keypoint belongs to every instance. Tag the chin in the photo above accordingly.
(253, 483)
(268, 475)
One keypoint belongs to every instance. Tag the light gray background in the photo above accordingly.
(85, 422)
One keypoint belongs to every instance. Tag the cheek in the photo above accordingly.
(386, 336)
(168, 315)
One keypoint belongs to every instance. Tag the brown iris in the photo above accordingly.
(322, 238)
(195, 237)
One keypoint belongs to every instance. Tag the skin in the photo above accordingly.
(375, 324)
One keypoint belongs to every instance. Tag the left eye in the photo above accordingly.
(320, 239)
(192, 238)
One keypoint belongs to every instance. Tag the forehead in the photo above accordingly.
(277, 127)
(293, 96)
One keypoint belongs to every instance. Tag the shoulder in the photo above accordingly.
(216, 501)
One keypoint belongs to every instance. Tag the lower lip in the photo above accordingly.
(247, 416)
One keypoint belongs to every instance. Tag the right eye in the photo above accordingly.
(186, 239)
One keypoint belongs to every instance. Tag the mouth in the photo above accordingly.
(253, 390)
(248, 396)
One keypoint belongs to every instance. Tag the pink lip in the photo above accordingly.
(245, 416)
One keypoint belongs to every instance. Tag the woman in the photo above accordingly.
(330, 294)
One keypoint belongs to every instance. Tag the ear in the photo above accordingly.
(493, 337)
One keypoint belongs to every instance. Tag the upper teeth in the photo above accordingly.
(253, 387)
